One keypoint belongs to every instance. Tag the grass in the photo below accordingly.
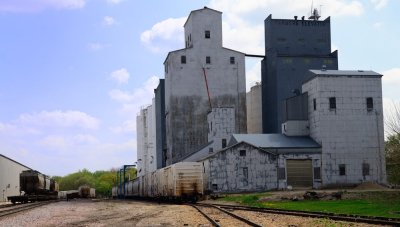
(382, 204)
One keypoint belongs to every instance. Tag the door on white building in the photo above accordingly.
(299, 172)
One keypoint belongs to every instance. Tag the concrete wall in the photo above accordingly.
(254, 110)
(350, 135)
(9, 177)
(146, 140)
(186, 96)
(221, 124)
(292, 48)
(141, 137)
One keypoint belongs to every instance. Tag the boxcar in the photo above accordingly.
(182, 181)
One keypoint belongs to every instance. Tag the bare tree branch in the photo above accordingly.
(392, 118)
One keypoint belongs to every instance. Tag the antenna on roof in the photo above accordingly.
(314, 12)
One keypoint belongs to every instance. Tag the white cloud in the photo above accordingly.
(54, 142)
(85, 139)
(115, 2)
(60, 119)
(120, 75)
(39, 5)
(391, 84)
(139, 95)
(165, 35)
(391, 77)
(107, 20)
(379, 4)
(377, 25)
(128, 126)
(121, 96)
(6, 127)
(95, 46)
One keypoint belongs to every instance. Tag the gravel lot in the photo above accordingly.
(137, 213)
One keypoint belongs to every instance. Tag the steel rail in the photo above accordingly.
(19, 208)
(214, 223)
(332, 216)
(231, 214)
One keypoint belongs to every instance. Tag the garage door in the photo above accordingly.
(299, 173)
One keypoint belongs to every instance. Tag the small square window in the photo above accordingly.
(210, 150)
(332, 103)
(242, 152)
(214, 187)
(207, 34)
(208, 60)
(232, 60)
(183, 59)
(342, 169)
(315, 104)
(365, 169)
(370, 104)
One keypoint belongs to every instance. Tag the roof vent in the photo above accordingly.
(361, 71)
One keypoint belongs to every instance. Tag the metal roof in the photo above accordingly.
(15, 161)
(329, 72)
(274, 141)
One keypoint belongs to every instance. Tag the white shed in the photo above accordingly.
(9, 177)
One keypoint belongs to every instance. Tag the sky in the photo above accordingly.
(75, 73)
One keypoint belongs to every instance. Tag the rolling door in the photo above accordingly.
(299, 173)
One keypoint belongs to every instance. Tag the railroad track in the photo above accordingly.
(5, 211)
(331, 216)
(218, 216)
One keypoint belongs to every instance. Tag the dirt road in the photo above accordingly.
(136, 213)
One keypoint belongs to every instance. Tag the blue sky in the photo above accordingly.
(75, 73)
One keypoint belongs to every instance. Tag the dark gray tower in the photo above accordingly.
(161, 145)
(292, 47)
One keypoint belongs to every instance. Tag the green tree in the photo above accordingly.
(102, 181)
(392, 151)
(74, 180)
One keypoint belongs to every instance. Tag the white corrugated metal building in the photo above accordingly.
(9, 177)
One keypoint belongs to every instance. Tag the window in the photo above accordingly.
(365, 169)
(183, 59)
(370, 104)
(342, 169)
(317, 173)
(232, 60)
(245, 176)
(214, 187)
(315, 104)
(281, 174)
(208, 60)
(210, 150)
(332, 103)
(242, 152)
(207, 34)
(223, 143)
